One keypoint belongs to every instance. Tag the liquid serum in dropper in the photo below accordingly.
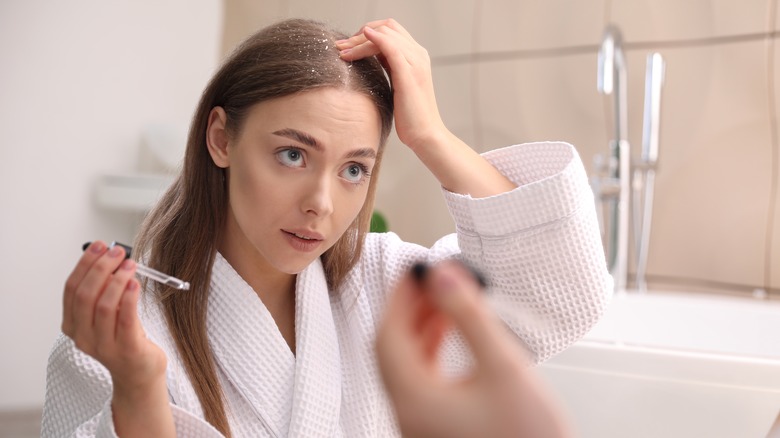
(148, 272)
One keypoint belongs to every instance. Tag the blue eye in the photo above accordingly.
(290, 157)
(355, 173)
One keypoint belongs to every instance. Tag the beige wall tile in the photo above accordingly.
(344, 15)
(712, 186)
(538, 24)
(774, 267)
(664, 20)
(244, 17)
(541, 99)
(443, 27)
(774, 24)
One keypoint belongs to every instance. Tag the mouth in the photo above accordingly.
(301, 240)
(305, 235)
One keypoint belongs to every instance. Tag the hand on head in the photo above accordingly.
(417, 119)
(500, 397)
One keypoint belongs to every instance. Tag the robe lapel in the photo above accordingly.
(249, 348)
(317, 396)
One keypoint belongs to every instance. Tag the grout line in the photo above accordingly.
(513, 54)
(700, 42)
(508, 55)
(772, 101)
(474, 67)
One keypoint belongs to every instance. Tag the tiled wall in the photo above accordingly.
(516, 71)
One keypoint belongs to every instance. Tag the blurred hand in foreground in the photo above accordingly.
(501, 397)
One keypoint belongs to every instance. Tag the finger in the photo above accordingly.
(389, 22)
(95, 250)
(391, 44)
(107, 307)
(360, 51)
(128, 327)
(354, 40)
(397, 344)
(381, 40)
(88, 291)
(431, 336)
(456, 292)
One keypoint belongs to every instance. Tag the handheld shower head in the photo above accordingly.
(610, 59)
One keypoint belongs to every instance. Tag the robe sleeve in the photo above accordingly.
(539, 247)
(78, 399)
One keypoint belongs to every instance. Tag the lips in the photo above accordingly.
(305, 235)
(303, 240)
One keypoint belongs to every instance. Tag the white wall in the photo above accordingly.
(79, 80)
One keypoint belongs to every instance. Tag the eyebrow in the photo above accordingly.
(299, 136)
(312, 142)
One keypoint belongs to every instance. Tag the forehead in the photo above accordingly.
(334, 116)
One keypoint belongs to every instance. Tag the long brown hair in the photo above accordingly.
(181, 234)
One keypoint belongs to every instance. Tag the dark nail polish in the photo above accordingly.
(128, 249)
(419, 271)
(478, 276)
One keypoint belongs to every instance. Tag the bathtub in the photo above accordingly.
(667, 365)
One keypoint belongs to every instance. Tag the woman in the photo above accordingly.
(274, 202)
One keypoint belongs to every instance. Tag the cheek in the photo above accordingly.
(350, 207)
(251, 190)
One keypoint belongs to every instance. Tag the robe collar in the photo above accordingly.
(292, 395)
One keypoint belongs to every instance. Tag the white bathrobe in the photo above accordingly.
(538, 245)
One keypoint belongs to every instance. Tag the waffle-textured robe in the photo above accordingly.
(539, 246)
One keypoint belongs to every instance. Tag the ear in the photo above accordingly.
(217, 137)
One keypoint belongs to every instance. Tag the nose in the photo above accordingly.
(318, 199)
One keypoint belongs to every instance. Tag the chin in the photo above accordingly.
(294, 268)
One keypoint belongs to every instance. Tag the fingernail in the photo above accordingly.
(344, 52)
(478, 277)
(97, 247)
(115, 251)
(368, 29)
(127, 265)
(131, 286)
(445, 281)
(419, 271)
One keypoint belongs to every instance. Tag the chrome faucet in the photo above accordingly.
(614, 185)
(644, 172)
(615, 188)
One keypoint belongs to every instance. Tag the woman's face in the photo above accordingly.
(298, 175)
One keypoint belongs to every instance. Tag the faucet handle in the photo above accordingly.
(604, 164)
(654, 79)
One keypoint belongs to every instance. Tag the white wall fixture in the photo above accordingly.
(166, 143)
(132, 192)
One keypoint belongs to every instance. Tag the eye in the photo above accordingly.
(291, 157)
(356, 173)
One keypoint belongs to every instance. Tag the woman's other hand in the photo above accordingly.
(501, 397)
(417, 119)
(418, 123)
(100, 315)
